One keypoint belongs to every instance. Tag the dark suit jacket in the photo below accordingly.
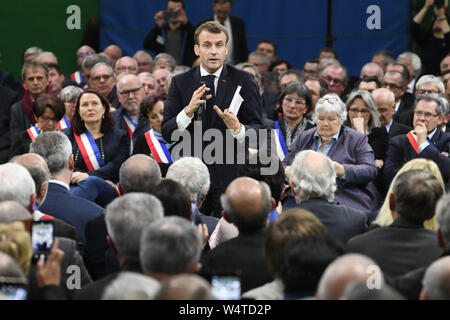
(342, 222)
(407, 118)
(7, 98)
(400, 151)
(116, 150)
(240, 48)
(141, 127)
(399, 248)
(76, 211)
(64, 230)
(19, 121)
(243, 254)
(398, 128)
(180, 94)
(406, 104)
(353, 151)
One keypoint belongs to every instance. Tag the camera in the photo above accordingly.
(170, 14)
(439, 3)
(42, 237)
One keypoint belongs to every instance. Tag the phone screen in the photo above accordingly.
(41, 238)
(226, 287)
(13, 292)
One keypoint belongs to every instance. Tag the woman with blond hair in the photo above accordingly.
(16, 242)
(384, 217)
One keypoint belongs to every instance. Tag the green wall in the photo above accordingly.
(26, 23)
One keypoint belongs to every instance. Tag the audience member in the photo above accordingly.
(268, 48)
(144, 61)
(114, 53)
(185, 287)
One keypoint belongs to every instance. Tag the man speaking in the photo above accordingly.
(217, 96)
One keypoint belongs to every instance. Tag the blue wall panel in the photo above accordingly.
(298, 28)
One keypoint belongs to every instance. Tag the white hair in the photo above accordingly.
(331, 103)
(443, 219)
(131, 286)
(415, 61)
(431, 78)
(436, 281)
(16, 184)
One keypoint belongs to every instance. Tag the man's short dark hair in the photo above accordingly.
(212, 27)
(297, 73)
(367, 80)
(270, 78)
(178, 1)
(54, 66)
(279, 62)
(33, 65)
(416, 193)
(323, 85)
(223, 1)
(405, 71)
(329, 49)
(269, 42)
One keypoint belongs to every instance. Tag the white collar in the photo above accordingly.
(65, 185)
(203, 72)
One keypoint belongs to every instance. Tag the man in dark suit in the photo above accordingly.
(129, 118)
(56, 150)
(236, 31)
(313, 182)
(7, 98)
(405, 245)
(247, 204)
(185, 106)
(126, 218)
(425, 141)
(396, 82)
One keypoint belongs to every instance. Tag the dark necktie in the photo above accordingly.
(209, 80)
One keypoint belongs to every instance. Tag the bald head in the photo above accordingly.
(342, 272)
(185, 287)
(126, 65)
(436, 282)
(114, 53)
(139, 173)
(11, 211)
(246, 203)
(385, 101)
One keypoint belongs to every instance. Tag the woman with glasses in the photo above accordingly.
(98, 148)
(295, 103)
(69, 95)
(349, 150)
(363, 117)
(48, 111)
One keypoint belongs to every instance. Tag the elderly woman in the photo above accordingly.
(351, 154)
(98, 148)
(151, 142)
(295, 102)
(69, 95)
(48, 111)
(363, 117)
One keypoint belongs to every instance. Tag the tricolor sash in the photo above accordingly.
(129, 124)
(77, 77)
(279, 141)
(158, 148)
(33, 132)
(89, 150)
(413, 141)
(63, 124)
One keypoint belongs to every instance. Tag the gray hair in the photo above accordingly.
(127, 216)
(431, 78)
(98, 65)
(131, 286)
(325, 62)
(265, 59)
(16, 184)
(171, 245)
(249, 65)
(11, 211)
(432, 97)
(301, 90)
(33, 65)
(143, 53)
(70, 93)
(134, 60)
(436, 281)
(322, 73)
(318, 179)
(415, 61)
(443, 219)
(46, 53)
(331, 103)
(172, 61)
(380, 69)
(55, 148)
(445, 106)
(192, 174)
(369, 101)
(148, 74)
(90, 61)
(32, 50)
(139, 173)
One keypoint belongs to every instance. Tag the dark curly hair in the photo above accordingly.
(149, 102)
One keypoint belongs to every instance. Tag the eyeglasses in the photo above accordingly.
(106, 77)
(391, 85)
(84, 54)
(363, 112)
(331, 100)
(297, 102)
(311, 72)
(336, 81)
(382, 110)
(128, 92)
(426, 115)
(162, 63)
(45, 119)
(131, 68)
(427, 91)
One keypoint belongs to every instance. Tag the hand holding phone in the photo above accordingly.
(42, 238)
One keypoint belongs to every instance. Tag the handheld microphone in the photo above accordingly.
(203, 80)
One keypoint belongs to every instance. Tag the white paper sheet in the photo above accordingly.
(236, 102)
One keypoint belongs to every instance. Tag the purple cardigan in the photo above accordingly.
(353, 151)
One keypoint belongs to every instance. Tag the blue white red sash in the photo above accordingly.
(413, 141)
(279, 141)
(77, 77)
(129, 125)
(63, 124)
(89, 150)
(158, 148)
(33, 132)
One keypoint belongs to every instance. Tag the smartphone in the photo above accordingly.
(13, 291)
(169, 15)
(42, 238)
(226, 287)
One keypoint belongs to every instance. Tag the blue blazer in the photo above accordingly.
(116, 148)
(400, 151)
(353, 151)
(76, 211)
(180, 94)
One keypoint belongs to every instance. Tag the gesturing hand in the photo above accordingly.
(49, 272)
(421, 132)
(229, 118)
(159, 18)
(197, 100)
